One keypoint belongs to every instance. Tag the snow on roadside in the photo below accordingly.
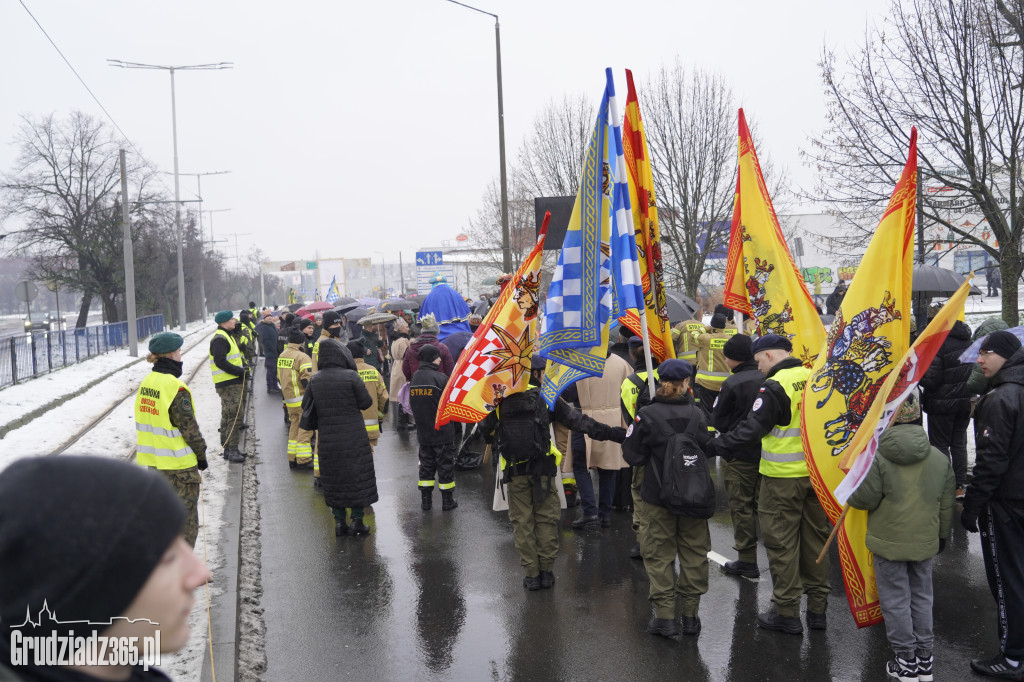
(18, 400)
(115, 437)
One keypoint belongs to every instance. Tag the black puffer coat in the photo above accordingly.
(999, 434)
(945, 382)
(334, 404)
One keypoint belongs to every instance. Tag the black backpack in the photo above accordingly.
(523, 426)
(686, 486)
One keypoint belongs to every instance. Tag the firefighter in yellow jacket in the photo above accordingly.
(294, 368)
(711, 367)
(373, 416)
(168, 436)
(685, 335)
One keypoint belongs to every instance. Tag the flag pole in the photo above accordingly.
(645, 334)
(832, 535)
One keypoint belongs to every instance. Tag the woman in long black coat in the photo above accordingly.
(333, 403)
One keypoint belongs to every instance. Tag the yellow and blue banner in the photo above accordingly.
(597, 276)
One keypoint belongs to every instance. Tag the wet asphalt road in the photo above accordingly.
(438, 595)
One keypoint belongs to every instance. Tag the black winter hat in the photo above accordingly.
(331, 318)
(538, 362)
(1002, 343)
(295, 335)
(429, 353)
(83, 535)
(303, 322)
(727, 312)
(358, 349)
(718, 321)
(738, 348)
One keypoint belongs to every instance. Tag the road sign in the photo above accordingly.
(26, 291)
(425, 274)
(429, 258)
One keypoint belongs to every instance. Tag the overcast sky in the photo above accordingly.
(361, 128)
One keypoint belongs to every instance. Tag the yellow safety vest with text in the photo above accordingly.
(160, 443)
(687, 347)
(290, 366)
(782, 450)
(234, 356)
(371, 415)
(629, 393)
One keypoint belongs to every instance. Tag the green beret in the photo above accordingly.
(223, 316)
(165, 342)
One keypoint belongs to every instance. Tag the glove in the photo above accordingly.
(617, 434)
(942, 545)
(202, 464)
(969, 520)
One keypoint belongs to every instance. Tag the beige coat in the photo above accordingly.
(599, 399)
(398, 349)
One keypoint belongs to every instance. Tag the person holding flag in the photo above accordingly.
(792, 520)
(908, 495)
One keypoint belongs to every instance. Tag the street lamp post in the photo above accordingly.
(506, 252)
(199, 195)
(174, 132)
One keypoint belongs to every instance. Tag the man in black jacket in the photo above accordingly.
(995, 497)
(267, 332)
(742, 479)
(520, 428)
(437, 446)
(947, 401)
(835, 299)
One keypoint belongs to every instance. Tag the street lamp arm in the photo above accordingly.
(122, 64)
(475, 9)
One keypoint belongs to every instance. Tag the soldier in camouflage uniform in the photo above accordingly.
(169, 438)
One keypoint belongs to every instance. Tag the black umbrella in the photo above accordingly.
(930, 280)
(345, 307)
(295, 306)
(356, 313)
(680, 306)
(400, 304)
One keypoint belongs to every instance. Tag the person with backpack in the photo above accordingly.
(742, 479)
(793, 523)
(636, 393)
(668, 438)
(520, 428)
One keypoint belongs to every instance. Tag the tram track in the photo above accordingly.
(66, 445)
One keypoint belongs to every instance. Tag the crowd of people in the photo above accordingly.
(648, 435)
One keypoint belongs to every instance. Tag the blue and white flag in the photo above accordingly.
(596, 277)
(333, 295)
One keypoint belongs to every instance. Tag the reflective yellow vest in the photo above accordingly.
(234, 357)
(629, 393)
(160, 444)
(371, 415)
(782, 451)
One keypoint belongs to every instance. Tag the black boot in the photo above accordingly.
(427, 498)
(448, 500)
(547, 580)
(359, 528)
(340, 528)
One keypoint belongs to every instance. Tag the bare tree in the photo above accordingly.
(484, 229)
(690, 119)
(65, 189)
(953, 69)
(551, 157)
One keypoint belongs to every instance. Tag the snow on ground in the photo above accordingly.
(18, 400)
(51, 430)
(115, 437)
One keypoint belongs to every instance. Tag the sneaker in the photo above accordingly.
(924, 668)
(666, 627)
(902, 669)
(547, 580)
(532, 582)
(586, 522)
(742, 568)
(691, 625)
(998, 667)
(773, 620)
(816, 621)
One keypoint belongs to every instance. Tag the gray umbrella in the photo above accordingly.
(930, 280)
(376, 318)
(680, 306)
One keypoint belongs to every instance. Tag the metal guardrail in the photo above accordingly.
(29, 355)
